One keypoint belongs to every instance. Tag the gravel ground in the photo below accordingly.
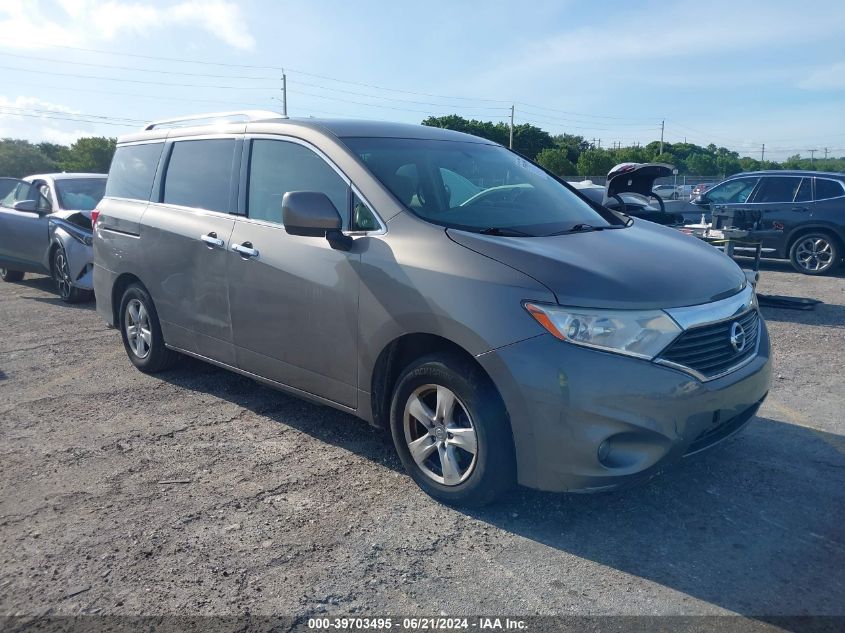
(292, 508)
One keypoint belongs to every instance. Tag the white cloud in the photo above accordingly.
(827, 78)
(75, 22)
(31, 118)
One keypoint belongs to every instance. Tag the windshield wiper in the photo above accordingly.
(505, 232)
(580, 228)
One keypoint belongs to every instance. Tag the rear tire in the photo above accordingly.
(815, 253)
(141, 332)
(447, 412)
(10, 276)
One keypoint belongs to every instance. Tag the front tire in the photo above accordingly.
(141, 332)
(815, 254)
(10, 276)
(61, 277)
(452, 432)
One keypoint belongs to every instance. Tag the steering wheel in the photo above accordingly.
(660, 203)
(623, 208)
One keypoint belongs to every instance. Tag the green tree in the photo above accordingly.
(573, 144)
(92, 154)
(20, 158)
(529, 140)
(556, 160)
(595, 162)
(749, 164)
(701, 164)
(727, 165)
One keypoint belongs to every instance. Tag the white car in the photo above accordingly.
(667, 192)
(45, 227)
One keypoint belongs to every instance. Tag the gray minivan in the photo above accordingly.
(503, 327)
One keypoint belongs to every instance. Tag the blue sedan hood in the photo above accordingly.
(643, 266)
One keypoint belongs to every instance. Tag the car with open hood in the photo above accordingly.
(505, 328)
(629, 190)
(45, 227)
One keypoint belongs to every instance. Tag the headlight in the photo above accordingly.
(640, 333)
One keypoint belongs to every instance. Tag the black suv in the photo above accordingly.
(808, 207)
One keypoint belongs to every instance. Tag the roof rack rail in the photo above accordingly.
(247, 115)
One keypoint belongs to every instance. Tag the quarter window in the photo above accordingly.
(778, 189)
(733, 191)
(133, 170)
(362, 218)
(276, 167)
(826, 188)
(199, 174)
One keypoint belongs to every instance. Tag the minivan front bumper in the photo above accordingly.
(586, 420)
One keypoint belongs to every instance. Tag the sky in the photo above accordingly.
(737, 74)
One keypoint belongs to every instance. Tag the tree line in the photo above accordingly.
(19, 158)
(562, 154)
(571, 155)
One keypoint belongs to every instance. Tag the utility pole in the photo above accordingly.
(662, 127)
(599, 143)
(826, 150)
(284, 94)
(510, 143)
(812, 156)
(762, 154)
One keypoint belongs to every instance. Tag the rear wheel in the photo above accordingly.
(815, 254)
(141, 332)
(451, 431)
(10, 275)
(61, 277)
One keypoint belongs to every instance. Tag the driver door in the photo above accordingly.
(731, 194)
(23, 233)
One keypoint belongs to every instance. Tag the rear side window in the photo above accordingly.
(826, 188)
(778, 189)
(805, 191)
(199, 174)
(277, 167)
(133, 170)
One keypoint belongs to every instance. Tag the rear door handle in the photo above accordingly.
(212, 240)
(245, 249)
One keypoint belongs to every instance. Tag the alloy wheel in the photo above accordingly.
(61, 273)
(814, 254)
(440, 435)
(137, 326)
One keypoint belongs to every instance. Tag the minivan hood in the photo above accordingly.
(643, 266)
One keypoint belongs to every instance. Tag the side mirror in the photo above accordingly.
(701, 200)
(26, 205)
(312, 214)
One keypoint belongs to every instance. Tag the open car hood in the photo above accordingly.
(636, 178)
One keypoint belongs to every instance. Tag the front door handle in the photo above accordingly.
(212, 240)
(245, 250)
(801, 209)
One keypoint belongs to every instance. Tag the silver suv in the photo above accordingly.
(503, 327)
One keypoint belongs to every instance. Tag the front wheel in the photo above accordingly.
(452, 432)
(10, 275)
(61, 277)
(141, 332)
(815, 254)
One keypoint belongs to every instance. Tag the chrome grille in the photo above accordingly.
(707, 349)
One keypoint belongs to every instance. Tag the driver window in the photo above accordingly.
(734, 191)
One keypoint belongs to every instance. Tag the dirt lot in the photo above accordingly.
(293, 508)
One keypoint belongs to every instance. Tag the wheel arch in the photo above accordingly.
(398, 354)
(123, 281)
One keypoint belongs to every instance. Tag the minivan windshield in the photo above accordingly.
(476, 187)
